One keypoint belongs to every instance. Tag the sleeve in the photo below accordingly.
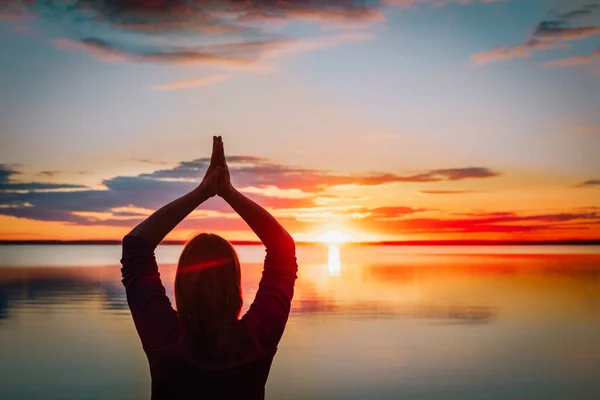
(155, 320)
(267, 316)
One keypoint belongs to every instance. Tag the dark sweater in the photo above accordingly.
(179, 374)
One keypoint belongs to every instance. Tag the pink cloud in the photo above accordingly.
(350, 17)
(501, 53)
(246, 56)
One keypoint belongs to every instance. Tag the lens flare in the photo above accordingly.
(333, 236)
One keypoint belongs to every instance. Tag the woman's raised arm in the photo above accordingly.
(154, 317)
(268, 314)
(265, 226)
(160, 223)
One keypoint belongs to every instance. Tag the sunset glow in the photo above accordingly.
(349, 121)
(333, 237)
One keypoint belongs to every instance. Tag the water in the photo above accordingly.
(366, 323)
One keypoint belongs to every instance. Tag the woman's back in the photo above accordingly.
(178, 368)
(178, 375)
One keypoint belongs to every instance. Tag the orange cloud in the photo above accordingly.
(501, 53)
(574, 61)
(276, 48)
(190, 83)
(570, 34)
(271, 184)
(525, 50)
(294, 194)
(499, 224)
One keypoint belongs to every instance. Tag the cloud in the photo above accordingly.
(293, 193)
(505, 53)
(111, 53)
(437, 3)
(221, 33)
(574, 61)
(590, 183)
(457, 174)
(48, 173)
(271, 184)
(143, 161)
(8, 185)
(380, 214)
(215, 16)
(237, 56)
(494, 223)
(255, 171)
(341, 17)
(276, 48)
(191, 83)
(548, 35)
(13, 10)
(447, 191)
(229, 34)
(582, 11)
(551, 31)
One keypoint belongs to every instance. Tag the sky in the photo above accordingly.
(383, 120)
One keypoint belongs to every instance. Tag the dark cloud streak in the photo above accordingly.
(582, 11)
(8, 185)
(548, 35)
(590, 183)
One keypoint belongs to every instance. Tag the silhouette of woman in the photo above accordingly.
(204, 350)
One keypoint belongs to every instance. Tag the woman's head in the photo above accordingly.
(208, 284)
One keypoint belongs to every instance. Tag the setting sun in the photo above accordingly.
(333, 236)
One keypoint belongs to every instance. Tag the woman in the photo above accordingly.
(204, 350)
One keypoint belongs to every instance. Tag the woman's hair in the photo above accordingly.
(208, 292)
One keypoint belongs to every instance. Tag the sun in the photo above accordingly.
(333, 236)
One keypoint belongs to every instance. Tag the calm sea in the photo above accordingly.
(502, 323)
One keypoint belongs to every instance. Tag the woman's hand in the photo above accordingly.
(217, 159)
(216, 181)
(224, 186)
(210, 183)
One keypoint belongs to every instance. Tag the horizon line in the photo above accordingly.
(571, 242)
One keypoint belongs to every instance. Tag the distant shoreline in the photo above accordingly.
(595, 242)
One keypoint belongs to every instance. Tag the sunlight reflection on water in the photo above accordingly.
(333, 260)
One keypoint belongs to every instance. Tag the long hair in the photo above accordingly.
(208, 293)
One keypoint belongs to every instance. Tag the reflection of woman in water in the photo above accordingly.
(205, 350)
